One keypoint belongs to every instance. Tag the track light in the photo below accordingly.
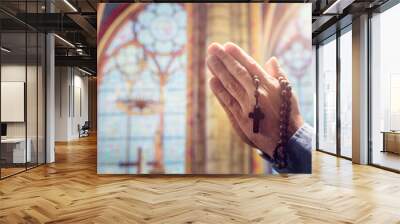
(65, 41)
(70, 5)
(84, 71)
(337, 7)
(5, 50)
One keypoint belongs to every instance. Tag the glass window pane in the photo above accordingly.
(346, 94)
(385, 86)
(13, 86)
(327, 96)
(22, 89)
(31, 97)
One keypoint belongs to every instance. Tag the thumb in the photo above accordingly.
(273, 68)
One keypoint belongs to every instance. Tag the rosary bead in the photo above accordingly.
(284, 92)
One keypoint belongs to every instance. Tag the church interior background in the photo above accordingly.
(156, 113)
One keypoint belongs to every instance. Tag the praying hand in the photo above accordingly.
(260, 105)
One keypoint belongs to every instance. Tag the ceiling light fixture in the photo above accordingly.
(5, 50)
(84, 71)
(337, 7)
(64, 40)
(70, 5)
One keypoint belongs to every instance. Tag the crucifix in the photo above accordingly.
(257, 115)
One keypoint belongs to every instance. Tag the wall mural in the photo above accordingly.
(154, 107)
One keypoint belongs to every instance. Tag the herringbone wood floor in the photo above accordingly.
(70, 191)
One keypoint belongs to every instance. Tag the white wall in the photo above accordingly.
(71, 94)
(34, 126)
(12, 73)
(62, 81)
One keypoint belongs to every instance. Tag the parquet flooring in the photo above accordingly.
(70, 191)
(10, 171)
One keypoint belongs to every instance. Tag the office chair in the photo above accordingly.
(84, 130)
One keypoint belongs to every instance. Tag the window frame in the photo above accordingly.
(334, 37)
(380, 9)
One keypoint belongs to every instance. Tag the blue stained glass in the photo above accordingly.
(131, 94)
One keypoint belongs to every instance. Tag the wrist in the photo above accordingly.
(295, 124)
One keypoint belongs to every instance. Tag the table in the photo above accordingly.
(391, 141)
(16, 147)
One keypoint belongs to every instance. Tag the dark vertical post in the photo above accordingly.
(0, 94)
(45, 91)
(369, 96)
(317, 96)
(338, 73)
(73, 91)
(26, 86)
(37, 87)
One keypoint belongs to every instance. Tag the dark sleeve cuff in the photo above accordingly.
(298, 152)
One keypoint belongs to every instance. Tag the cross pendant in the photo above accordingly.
(257, 115)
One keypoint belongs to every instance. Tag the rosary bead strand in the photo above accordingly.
(279, 155)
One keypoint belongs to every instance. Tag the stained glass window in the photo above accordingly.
(142, 106)
(295, 52)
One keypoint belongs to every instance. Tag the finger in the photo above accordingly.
(248, 62)
(273, 68)
(219, 70)
(236, 126)
(216, 86)
(225, 98)
(233, 66)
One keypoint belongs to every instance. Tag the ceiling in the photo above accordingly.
(75, 22)
(332, 15)
(72, 20)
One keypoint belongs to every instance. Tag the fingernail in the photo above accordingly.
(214, 48)
(227, 44)
(275, 62)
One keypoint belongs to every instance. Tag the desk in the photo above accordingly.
(16, 147)
(391, 141)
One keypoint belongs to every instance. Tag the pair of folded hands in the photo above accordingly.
(232, 84)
